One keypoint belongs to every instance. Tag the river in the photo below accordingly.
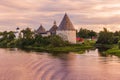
(20, 65)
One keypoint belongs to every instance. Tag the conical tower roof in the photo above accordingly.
(66, 24)
(54, 27)
(41, 29)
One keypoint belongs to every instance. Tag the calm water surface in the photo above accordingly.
(20, 65)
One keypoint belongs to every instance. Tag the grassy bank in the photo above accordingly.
(113, 51)
(104, 46)
(66, 49)
(79, 48)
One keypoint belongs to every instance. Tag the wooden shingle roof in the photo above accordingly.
(54, 28)
(66, 24)
(41, 29)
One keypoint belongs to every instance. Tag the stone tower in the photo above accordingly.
(66, 30)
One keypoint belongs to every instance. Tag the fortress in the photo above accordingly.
(65, 30)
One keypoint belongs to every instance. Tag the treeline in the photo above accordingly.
(107, 37)
(103, 37)
(84, 33)
(28, 38)
(110, 42)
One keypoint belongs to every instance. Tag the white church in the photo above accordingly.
(65, 30)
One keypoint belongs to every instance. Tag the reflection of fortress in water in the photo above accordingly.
(65, 30)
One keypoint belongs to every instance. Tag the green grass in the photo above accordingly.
(79, 48)
(113, 51)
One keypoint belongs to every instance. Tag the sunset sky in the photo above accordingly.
(91, 14)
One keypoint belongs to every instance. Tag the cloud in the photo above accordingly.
(32, 13)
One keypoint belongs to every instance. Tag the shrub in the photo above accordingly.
(119, 44)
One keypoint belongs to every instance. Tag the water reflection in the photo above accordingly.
(19, 65)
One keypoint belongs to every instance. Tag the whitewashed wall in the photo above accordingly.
(46, 35)
(67, 35)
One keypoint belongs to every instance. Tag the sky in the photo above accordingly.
(90, 14)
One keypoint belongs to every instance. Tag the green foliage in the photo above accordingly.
(105, 37)
(92, 34)
(57, 41)
(119, 44)
(11, 36)
(84, 33)
(11, 44)
(3, 43)
(27, 33)
(79, 48)
(116, 39)
(7, 39)
(109, 38)
(90, 42)
(117, 33)
(24, 42)
(52, 41)
(41, 41)
(29, 40)
(113, 51)
(4, 36)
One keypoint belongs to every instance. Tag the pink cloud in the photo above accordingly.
(35, 12)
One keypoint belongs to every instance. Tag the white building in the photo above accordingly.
(17, 32)
(66, 30)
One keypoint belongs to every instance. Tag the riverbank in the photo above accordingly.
(108, 49)
(104, 47)
(79, 48)
(113, 51)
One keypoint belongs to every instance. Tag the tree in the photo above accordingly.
(105, 37)
(117, 33)
(27, 39)
(27, 33)
(119, 44)
(4, 35)
(84, 33)
(92, 34)
(57, 41)
(41, 41)
(11, 36)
